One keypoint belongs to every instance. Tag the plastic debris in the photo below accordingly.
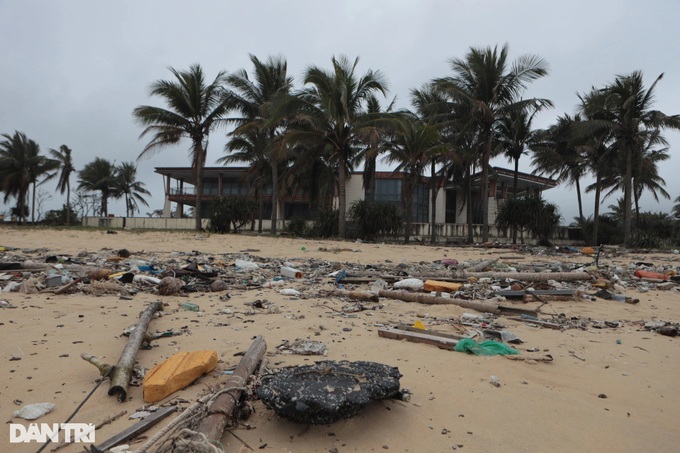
(33, 411)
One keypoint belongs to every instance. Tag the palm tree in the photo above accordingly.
(66, 167)
(627, 114)
(195, 110)
(432, 107)
(253, 99)
(331, 112)
(373, 140)
(127, 185)
(99, 176)
(515, 137)
(40, 165)
(490, 89)
(645, 171)
(250, 146)
(412, 147)
(560, 156)
(14, 170)
(20, 166)
(676, 208)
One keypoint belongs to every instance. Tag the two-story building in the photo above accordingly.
(179, 183)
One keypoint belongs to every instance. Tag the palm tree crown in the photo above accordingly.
(489, 87)
(127, 185)
(64, 171)
(99, 176)
(330, 113)
(258, 125)
(195, 108)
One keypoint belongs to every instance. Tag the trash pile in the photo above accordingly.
(493, 292)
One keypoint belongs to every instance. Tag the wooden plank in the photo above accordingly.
(416, 337)
(430, 332)
(134, 430)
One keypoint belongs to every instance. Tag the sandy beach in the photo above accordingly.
(608, 389)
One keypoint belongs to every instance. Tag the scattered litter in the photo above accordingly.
(304, 347)
(33, 411)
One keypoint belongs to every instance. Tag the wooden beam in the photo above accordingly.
(426, 337)
(221, 409)
(134, 430)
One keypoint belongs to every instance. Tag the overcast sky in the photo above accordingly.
(73, 70)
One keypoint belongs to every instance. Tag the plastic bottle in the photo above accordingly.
(290, 272)
(189, 306)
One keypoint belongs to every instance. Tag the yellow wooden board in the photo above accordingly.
(176, 373)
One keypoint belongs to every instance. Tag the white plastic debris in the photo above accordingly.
(33, 411)
(246, 265)
(289, 292)
(415, 284)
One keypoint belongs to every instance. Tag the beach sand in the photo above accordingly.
(538, 407)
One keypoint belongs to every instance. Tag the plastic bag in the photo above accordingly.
(485, 348)
(410, 283)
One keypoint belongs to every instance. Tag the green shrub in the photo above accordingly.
(531, 214)
(375, 219)
(325, 224)
(231, 212)
(296, 226)
(58, 217)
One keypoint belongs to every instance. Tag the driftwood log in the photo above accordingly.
(120, 378)
(481, 307)
(221, 409)
(529, 276)
(434, 300)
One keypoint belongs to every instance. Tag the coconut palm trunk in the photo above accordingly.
(434, 189)
(275, 195)
(627, 191)
(199, 156)
(485, 187)
(341, 197)
(596, 211)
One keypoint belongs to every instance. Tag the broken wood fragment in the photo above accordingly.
(96, 361)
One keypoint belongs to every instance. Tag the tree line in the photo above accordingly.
(309, 139)
(23, 167)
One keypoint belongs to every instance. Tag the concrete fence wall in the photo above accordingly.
(445, 232)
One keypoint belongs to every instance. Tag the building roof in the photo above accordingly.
(186, 174)
(524, 180)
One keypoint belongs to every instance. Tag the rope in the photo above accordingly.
(183, 419)
(197, 442)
